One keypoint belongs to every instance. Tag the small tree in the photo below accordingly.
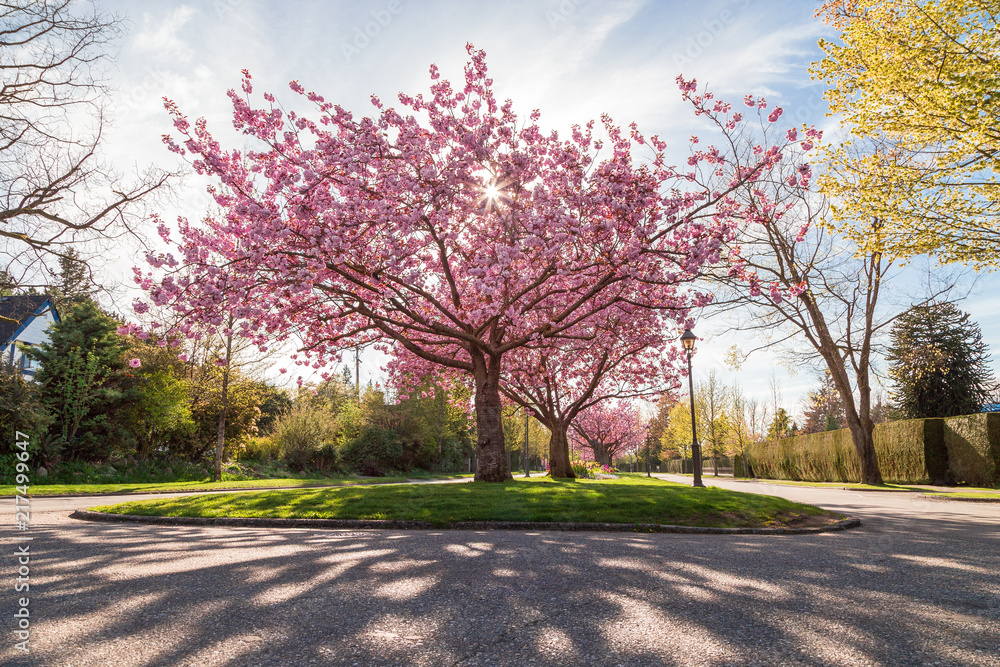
(21, 409)
(609, 430)
(824, 408)
(677, 435)
(715, 427)
(82, 371)
(939, 364)
(781, 426)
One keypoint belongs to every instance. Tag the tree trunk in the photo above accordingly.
(559, 463)
(220, 438)
(490, 450)
(601, 454)
(858, 416)
(864, 445)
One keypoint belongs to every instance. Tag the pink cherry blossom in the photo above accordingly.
(452, 229)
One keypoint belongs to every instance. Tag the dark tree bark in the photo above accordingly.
(601, 453)
(559, 462)
(491, 452)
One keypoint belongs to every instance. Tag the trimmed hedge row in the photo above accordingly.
(943, 451)
(973, 447)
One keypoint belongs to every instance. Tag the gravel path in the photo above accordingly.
(917, 584)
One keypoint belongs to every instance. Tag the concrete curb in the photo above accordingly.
(959, 499)
(87, 515)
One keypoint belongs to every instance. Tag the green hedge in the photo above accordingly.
(959, 450)
(973, 446)
(816, 457)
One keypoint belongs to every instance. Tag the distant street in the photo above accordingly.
(916, 584)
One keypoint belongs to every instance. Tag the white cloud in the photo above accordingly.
(158, 36)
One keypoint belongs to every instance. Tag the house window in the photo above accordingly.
(27, 363)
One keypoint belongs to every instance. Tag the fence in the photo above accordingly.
(686, 466)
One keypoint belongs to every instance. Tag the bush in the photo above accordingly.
(590, 469)
(261, 449)
(374, 452)
(121, 471)
(21, 410)
(306, 437)
(829, 456)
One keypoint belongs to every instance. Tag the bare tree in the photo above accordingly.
(715, 398)
(744, 421)
(839, 311)
(54, 190)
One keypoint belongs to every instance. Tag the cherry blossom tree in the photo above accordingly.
(609, 429)
(452, 229)
(627, 353)
(630, 353)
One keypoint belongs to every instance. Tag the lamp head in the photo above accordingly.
(687, 339)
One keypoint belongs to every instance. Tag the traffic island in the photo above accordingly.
(631, 503)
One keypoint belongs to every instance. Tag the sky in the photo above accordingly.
(572, 59)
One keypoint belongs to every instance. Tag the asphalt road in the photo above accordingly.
(917, 584)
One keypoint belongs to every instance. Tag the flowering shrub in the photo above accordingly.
(591, 469)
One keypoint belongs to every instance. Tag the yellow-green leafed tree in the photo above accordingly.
(677, 434)
(918, 85)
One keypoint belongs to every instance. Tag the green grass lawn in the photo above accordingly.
(960, 491)
(919, 488)
(975, 494)
(165, 487)
(628, 500)
(854, 486)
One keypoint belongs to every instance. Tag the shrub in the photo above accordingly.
(261, 449)
(829, 456)
(374, 452)
(21, 410)
(305, 437)
(590, 469)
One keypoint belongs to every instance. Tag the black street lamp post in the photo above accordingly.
(687, 339)
(647, 451)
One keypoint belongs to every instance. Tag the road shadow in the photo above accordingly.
(896, 591)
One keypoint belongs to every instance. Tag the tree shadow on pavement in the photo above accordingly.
(895, 591)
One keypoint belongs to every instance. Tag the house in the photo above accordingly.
(24, 321)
